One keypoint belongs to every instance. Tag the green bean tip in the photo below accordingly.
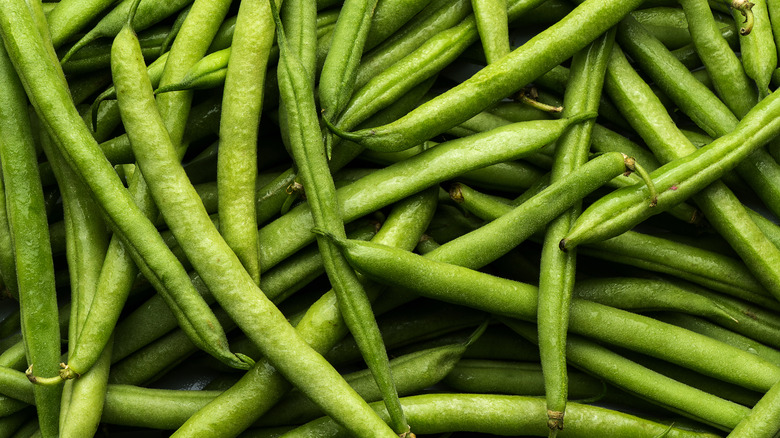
(67, 372)
(456, 193)
(244, 362)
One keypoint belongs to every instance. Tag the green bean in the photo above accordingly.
(151, 12)
(29, 228)
(438, 16)
(708, 112)
(540, 54)
(719, 205)
(11, 423)
(420, 322)
(558, 268)
(503, 234)
(714, 331)
(635, 378)
(240, 297)
(759, 54)
(87, 242)
(321, 326)
(637, 294)
(69, 17)
(497, 414)
(151, 362)
(685, 176)
(241, 107)
(175, 28)
(7, 257)
(514, 378)
(153, 320)
(729, 78)
(340, 68)
(670, 25)
(757, 323)
(390, 16)
(209, 72)
(763, 421)
(493, 25)
(96, 56)
(403, 179)
(296, 89)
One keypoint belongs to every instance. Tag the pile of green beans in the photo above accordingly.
(390, 218)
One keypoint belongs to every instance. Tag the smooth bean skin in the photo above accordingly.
(556, 280)
(498, 80)
(639, 295)
(497, 414)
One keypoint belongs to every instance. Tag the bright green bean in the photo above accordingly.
(240, 296)
(241, 107)
(29, 228)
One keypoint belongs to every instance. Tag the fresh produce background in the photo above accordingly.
(492, 217)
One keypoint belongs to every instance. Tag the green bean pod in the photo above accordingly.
(729, 78)
(497, 415)
(439, 15)
(514, 378)
(496, 81)
(241, 108)
(557, 280)
(637, 379)
(69, 17)
(716, 271)
(340, 69)
(87, 241)
(493, 26)
(240, 296)
(414, 372)
(7, 257)
(759, 54)
(30, 235)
